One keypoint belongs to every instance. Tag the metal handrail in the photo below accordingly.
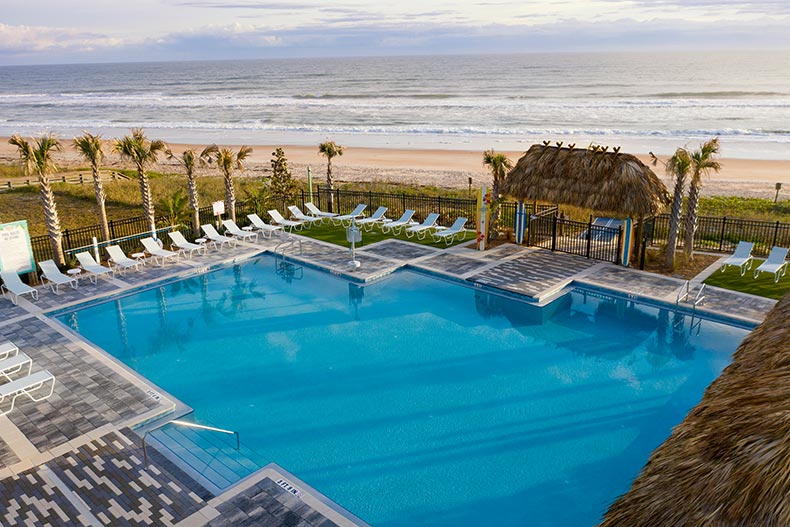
(700, 297)
(188, 425)
(284, 244)
(684, 295)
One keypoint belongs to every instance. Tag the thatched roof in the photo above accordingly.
(607, 182)
(728, 462)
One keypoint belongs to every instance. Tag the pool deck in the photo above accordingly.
(75, 458)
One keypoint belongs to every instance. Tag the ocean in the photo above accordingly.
(639, 101)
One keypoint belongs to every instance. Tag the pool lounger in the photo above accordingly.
(15, 364)
(397, 226)
(455, 232)
(50, 274)
(298, 215)
(8, 349)
(421, 230)
(28, 386)
(375, 218)
(215, 237)
(90, 266)
(152, 247)
(14, 286)
(181, 245)
(345, 219)
(776, 263)
(282, 222)
(120, 261)
(233, 229)
(741, 259)
(318, 213)
(261, 226)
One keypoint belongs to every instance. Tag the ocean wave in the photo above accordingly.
(725, 94)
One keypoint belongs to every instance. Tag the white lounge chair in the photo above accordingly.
(261, 226)
(374, 219)
(157, 253)
(216, 238)
(181, 245)
(120, 261)
(8, 349)
(233, 229)
(421, 230)
(741, 259)
(15, 364)
(397, 226)
(15, 288)
(345, 219)
(776, 263)
(455, 232)
(51, 274)
(90, 266)
(28, 386)
(299, 215)
(318, 213)
(282, 222)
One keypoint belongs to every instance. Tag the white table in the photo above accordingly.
(140, 257)
(201, 241)
(75, 273)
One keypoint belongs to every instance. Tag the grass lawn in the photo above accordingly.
(337, 235)
(762, 286)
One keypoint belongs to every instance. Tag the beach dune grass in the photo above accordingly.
(337, 235)
(762, 286)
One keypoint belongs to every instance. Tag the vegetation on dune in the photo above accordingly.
(330, 149)
(143, 153)
(500, 165)
(703, 162)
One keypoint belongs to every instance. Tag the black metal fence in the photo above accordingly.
(575, 237)
(722, 234)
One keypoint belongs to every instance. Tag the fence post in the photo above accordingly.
(554, 233)
(619, 244)
(643, 253)
(302, 198)
(776, 234)
(439, 203)
(67, 239)
(589, 236)
(721, 236)
(403, 201)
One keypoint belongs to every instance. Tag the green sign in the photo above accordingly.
(16, 253)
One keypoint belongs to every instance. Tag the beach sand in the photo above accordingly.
(445, 168)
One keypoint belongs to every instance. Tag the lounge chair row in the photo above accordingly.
(776, 262)
(17, 378)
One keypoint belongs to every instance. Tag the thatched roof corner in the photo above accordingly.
(728, 462)
(606, 182)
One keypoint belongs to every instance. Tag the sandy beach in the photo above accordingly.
(445, 168)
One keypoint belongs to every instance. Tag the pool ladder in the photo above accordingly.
(283, 268)
(187, 424)
(699, 298)
(280, 248)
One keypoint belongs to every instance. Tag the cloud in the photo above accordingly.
(38, 39)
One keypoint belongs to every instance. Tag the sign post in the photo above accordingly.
(219, 209)
(482, 219)
(16, 253)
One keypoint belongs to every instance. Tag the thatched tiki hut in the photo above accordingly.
(612, 183)
(728, 462)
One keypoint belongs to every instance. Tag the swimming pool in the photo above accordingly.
(416, 401)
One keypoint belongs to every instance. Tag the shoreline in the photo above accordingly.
(440, 167)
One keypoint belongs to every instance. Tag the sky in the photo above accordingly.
(84, 31)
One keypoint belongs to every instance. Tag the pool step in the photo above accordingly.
(210, 454)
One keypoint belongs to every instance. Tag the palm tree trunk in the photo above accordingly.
(148, 202)
(691, 219)
(194, 203)
(51, 219)
(495, 201)
(230, 197)
(98, 189)
(330, 198)
(674, 224)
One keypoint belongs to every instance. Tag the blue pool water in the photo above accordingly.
(418, 402)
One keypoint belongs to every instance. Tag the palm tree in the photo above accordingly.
(188, 159)
(143, 152)
(37, 159)
(702, 162)
(89, 147)
(227, 161)
(500, 165)
(330, 149)
(677, 167)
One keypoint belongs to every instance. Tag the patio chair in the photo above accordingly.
(50, 274)
(13, 365)
(421, 230)
(28, 386)
(157, 253)
(455, 232)
(233, 229)
(299, 215)
(15, 288)
(282, 222)
(120, 261)
(742, 258)
(374, 219)
(8, 349)
(181, 245)
(776, 263)
(346, 219)
(90, 266)
(216, 238)
(397, 226)
(318, 213)
(261, 226)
